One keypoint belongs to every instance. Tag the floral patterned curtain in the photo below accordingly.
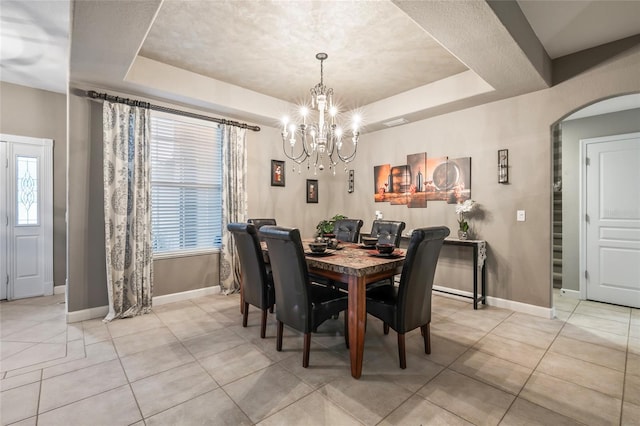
(234, 202)
(127, 209)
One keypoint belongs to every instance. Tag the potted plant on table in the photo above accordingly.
(325, 227)
(461, 209)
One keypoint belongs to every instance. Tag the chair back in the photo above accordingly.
(259, 223)
(388, 231)
(416, 281)
(347, 230)
(290, 276)
(254, 275)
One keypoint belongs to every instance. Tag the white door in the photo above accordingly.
(611, 199)
(28, 216)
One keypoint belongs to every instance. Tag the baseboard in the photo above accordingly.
(59, 289)
(102, 311)
(570, 294)
(87, 314)
(185, 295)
(524, 308)
(48, 288)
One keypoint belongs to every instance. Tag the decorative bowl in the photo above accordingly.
(385, 248)
(318, 247)
(369, 241)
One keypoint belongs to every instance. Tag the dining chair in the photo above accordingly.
(347, 230)
(408, 306)
(302, 305)
(387, 231)
(257, 283)
(259, 223)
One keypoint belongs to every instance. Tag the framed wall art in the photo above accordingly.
(277, 173)
(312, 191)
(503, 166)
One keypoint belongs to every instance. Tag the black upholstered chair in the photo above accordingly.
(302, 305)
(408, 306)
(257, 283)
(347, 230)
(387, 231)
(259, 223)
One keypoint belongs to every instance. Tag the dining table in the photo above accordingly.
(358, 266)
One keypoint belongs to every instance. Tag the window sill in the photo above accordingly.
(184, 253)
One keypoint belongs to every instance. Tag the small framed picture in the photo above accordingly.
(312, 191)
(277, 173)
(503, 166)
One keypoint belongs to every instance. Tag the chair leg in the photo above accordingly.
(245, 314)
(401, 351)
(306, 350)
(426, 335)
(279, 336)
(385, 328)
(263, 325)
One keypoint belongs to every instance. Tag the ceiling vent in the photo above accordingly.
(396, 122)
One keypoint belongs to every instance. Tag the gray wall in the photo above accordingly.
(572, 132)
(87, 274)
(519, 265)
(42, 114)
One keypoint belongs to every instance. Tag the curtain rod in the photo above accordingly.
(133, 102)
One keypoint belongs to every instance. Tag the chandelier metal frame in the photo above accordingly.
(322, 137)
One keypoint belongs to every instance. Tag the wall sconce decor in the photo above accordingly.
(350, 182)
(503, 166)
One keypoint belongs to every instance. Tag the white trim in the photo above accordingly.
(87, 314)
(570, 294)
(185, 295)
(26, 140)
(184, 253)
(102, 311)
(524, 308)
(59, 289)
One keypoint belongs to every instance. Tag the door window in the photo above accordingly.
(27, 190)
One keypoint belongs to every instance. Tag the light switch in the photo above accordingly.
(520, 216)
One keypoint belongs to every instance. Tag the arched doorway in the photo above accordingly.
(612, 116)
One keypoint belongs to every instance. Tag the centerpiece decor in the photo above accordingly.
(325, 227)
(461, 209)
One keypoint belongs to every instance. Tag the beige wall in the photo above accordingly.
(87, 274)
(42, 114)
(519, 264)
(572, 132)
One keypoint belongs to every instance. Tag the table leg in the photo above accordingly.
(357, 315)
(475, 277)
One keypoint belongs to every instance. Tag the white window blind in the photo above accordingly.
(186, 184)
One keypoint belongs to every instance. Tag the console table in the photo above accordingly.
(479, 257)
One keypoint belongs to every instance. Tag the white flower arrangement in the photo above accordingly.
(461, 209)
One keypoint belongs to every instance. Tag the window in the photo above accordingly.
(27, 190)
(186, 184)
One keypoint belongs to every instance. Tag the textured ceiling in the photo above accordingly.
(34, 43)
(375, 50)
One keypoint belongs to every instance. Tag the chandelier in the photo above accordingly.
(319, 138)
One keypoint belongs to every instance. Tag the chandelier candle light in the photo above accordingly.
(322, 136)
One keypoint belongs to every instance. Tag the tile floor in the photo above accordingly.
(191, 363)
